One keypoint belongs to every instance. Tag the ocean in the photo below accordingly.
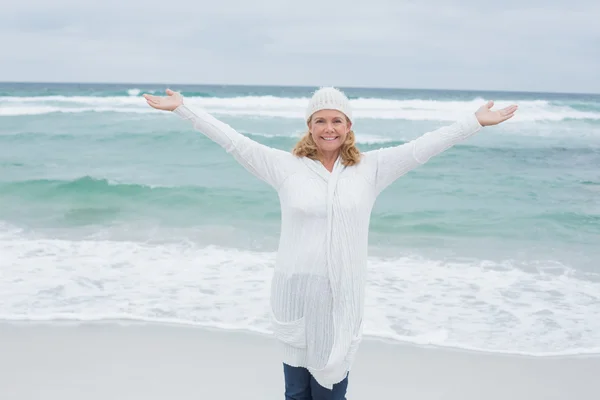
(111, 210)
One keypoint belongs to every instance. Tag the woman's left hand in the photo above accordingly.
(486, 117)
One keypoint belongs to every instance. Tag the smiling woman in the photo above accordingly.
(329, 130)
(327, 189)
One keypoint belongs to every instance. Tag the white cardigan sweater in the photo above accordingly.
(318, 286)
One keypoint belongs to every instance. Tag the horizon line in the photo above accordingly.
(293, 86)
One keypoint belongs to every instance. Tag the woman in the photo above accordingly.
(327, 189)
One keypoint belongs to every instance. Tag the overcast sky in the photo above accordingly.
(525, 45)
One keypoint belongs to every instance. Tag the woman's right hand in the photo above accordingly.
(166, 103)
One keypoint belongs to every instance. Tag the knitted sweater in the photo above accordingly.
(318, 286)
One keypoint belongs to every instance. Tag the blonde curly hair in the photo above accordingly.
(306, 147)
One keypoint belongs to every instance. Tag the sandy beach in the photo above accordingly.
(153, 361)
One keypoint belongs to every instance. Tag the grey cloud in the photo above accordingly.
(512, 45)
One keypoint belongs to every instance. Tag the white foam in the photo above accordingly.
(363, 138)
(40, 110)
(470, 304)
(283, 107)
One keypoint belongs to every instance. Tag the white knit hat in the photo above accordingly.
(329, 98)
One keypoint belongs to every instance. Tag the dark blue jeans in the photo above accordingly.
(300, 385)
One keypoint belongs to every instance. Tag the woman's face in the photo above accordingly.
(329, 129)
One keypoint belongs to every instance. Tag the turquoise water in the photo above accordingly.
(497, 238)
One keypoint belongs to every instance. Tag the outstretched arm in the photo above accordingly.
(393, 162)
(269, 164)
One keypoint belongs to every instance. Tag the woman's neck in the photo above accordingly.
(328, 159)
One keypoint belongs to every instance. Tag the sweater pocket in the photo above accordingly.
(355, 343)
(292, 333)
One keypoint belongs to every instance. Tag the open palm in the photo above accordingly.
(486, 116)
(166, 103)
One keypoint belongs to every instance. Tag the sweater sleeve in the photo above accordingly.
(268, 164)
(393, 162)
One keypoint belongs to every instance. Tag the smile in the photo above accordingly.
(329, 138)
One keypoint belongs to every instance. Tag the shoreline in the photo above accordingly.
(147, 360)
(265, 334)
